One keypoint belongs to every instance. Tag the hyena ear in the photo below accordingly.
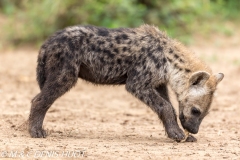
(199, 78)
(219, 77)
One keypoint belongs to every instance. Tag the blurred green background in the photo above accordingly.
(31, 21)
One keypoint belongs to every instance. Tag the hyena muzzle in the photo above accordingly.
(145, 59)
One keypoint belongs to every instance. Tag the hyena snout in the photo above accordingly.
(191, 124)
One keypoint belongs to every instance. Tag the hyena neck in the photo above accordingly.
(178, 80)
(181, 64)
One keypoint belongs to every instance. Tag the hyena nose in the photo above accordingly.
(194, 130)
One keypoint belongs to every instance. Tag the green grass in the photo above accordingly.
(30, 22)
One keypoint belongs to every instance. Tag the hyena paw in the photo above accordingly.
(176, 134)
(37, 132)
(190, 138)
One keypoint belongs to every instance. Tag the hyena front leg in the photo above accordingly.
(163, 108)
(56, 85)
(163, 92)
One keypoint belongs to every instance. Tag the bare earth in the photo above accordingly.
(106, 122)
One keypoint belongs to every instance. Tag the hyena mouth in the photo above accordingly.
(182, 118)
(190, 127)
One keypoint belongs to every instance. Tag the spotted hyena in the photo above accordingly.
(145, 59)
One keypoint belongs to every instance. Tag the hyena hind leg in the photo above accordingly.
(55, 86)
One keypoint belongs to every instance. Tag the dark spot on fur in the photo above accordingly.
(91, 35)
(102, 60)
(181, 60)
(175, 65)
(140, 97)
(164, 60)
(61, 60)
(87, 40)
(170, 51)
(116, 50)
(159, 48)
(118, 39)
(149, 49)
(140, 56)
(117, 70)
(133, 32)
(165, 70)
(59, 45)
(98, 49)
(187, 70)
(170, 60)
(53, 48)
(100, 42)
(119, 61)
(102, 32)
(80, 41)
(143, 61)
(110, 69)
(108, 53)
(128, 61)
(177, 95)
(176, 56)
(85, 34)
(146, 74)
(62, 39)
(71, 45)
(124, 36)
(211, 93)
(177, 73)
(124, 49)
(135, 57)
(93, 47)
(112, 63)
(144, 67)
(57, 55)
(143, 49)
(153, 58)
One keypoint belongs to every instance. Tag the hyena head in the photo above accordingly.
(197, 98)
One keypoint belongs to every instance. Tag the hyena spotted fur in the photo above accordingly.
(145, 59)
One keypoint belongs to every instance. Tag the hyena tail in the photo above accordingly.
(41, 75)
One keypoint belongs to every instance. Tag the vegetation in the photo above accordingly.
(32, 21)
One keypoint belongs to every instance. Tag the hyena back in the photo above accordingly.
(145, 59)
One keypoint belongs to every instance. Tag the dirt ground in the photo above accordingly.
(106, 122)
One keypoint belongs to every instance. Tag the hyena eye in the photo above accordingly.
(196, 111)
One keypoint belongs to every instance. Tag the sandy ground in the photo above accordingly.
(106, 122)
